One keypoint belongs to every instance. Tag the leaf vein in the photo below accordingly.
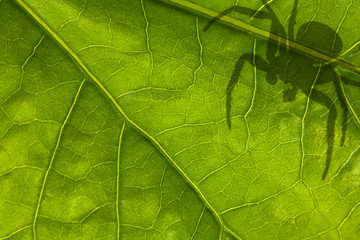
(118, 182)
(53, 157)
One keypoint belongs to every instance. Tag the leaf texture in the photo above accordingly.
(114, 120)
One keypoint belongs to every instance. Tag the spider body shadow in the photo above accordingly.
(287, 65)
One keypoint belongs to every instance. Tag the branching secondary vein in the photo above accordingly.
(52, 159)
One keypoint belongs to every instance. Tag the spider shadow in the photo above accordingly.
(302, 72)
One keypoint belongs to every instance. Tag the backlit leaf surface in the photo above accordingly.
(113, 123)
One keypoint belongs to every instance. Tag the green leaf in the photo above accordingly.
(127, 120)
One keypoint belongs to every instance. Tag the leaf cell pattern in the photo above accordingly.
(113, 125)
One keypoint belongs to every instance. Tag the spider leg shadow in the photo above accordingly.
(243, 10)
(324, 100)
(247, 57)
(344, 107)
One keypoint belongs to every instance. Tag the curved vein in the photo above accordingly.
(53, 157)
(118, 182)
(348, 102)
(303, 124)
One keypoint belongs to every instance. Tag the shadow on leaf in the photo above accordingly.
(301, 71)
